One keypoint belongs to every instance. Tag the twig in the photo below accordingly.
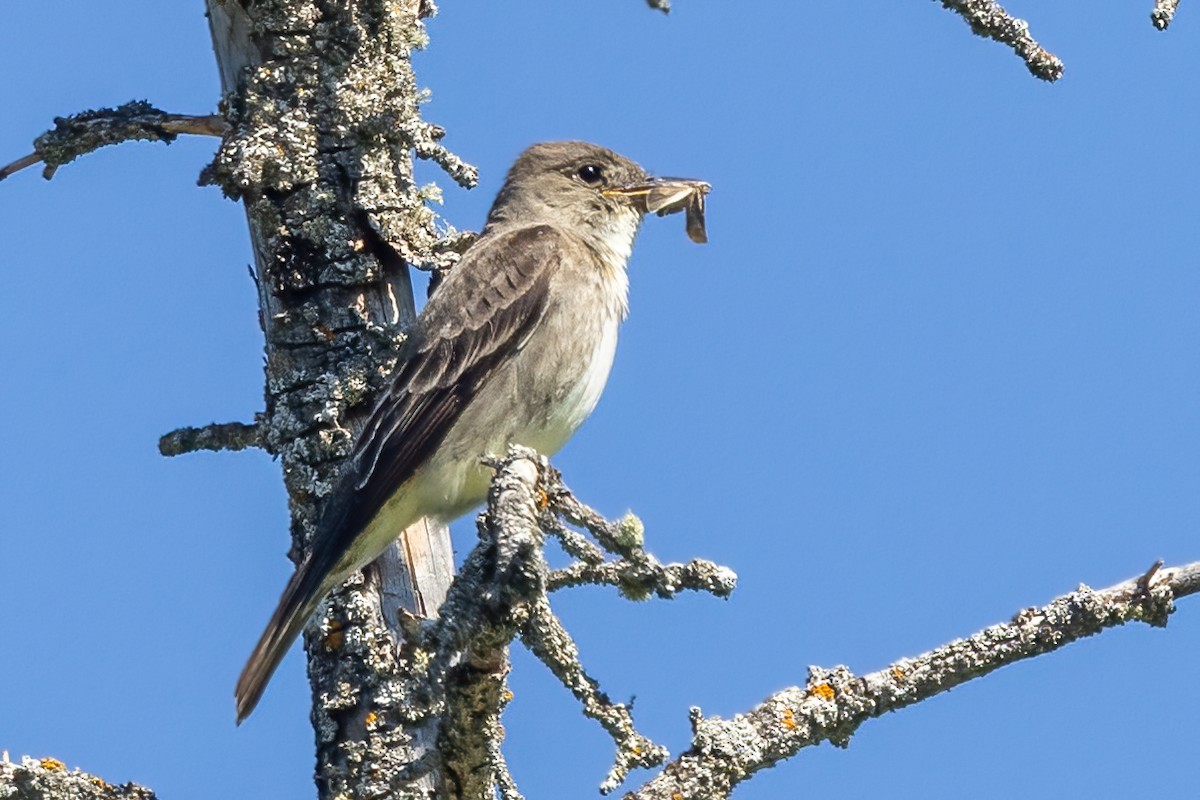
(834, 702)
(989, 20)
(636, 573)
(547, 639)
(660, 5)
(623, 537)
(87, 131)
(218, 436)
(19, 164)
(576, 544)
(638, 580)
(425, 141)
(1163, 13)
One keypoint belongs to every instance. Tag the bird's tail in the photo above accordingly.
(300, 598)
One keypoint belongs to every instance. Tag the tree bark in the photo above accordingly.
(323, 107)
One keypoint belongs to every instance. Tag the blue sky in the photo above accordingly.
(937, 363)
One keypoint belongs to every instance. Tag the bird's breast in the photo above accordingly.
(538, 398)
(572, 395)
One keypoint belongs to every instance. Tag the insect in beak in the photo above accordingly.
(664, 196)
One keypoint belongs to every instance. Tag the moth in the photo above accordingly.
(663, 196)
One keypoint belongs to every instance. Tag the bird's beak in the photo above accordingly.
(664, 196)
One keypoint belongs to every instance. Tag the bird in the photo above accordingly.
(514, 347)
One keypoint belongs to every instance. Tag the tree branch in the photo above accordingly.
(834, 702)
(989, 20)
(48, 778)
(87, 131)
(1163, 13)
(217, 436)
(547, 639)
(488, 603)
(502, 592)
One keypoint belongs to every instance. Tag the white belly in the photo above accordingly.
(578, 401)
(515, 407)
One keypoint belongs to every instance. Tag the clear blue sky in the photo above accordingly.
(938, 363)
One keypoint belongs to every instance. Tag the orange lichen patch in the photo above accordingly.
(508, 695)
(358, 245)
(371, 718)
(789, 719)
(676, 796)
(53, 764)
(334, 638)
(98, 782)
(898, 673)
(823, 691)
(543, 499)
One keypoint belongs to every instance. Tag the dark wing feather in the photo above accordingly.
(474, 322)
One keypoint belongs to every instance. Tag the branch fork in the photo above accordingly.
(502, 593)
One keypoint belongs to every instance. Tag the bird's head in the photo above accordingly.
(588, 190)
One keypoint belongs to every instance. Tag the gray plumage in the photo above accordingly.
(514, 346)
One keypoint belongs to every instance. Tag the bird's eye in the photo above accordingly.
(590, 173)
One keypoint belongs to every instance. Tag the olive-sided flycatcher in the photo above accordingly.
(514, 347)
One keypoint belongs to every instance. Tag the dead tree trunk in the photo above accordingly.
(323, 107)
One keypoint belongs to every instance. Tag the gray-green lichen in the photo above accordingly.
(325, 122)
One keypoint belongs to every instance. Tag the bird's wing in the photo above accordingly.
(479, 318)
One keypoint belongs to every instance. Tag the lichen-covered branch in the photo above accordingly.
(638, 580)
(834, 702)
(217, 436)
(487, 605)
(988, 19)
(502, 592)
(49, 779)
(87, 131)
(1163, 13)
(635, 572)
(547, 639)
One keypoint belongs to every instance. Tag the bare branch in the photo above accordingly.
(989, 20)
(547, 639)
(39, 778)
(87, 131)
(660, 5)
(19, 164)
(214, 437)
(1163, 13)
(834, 702)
